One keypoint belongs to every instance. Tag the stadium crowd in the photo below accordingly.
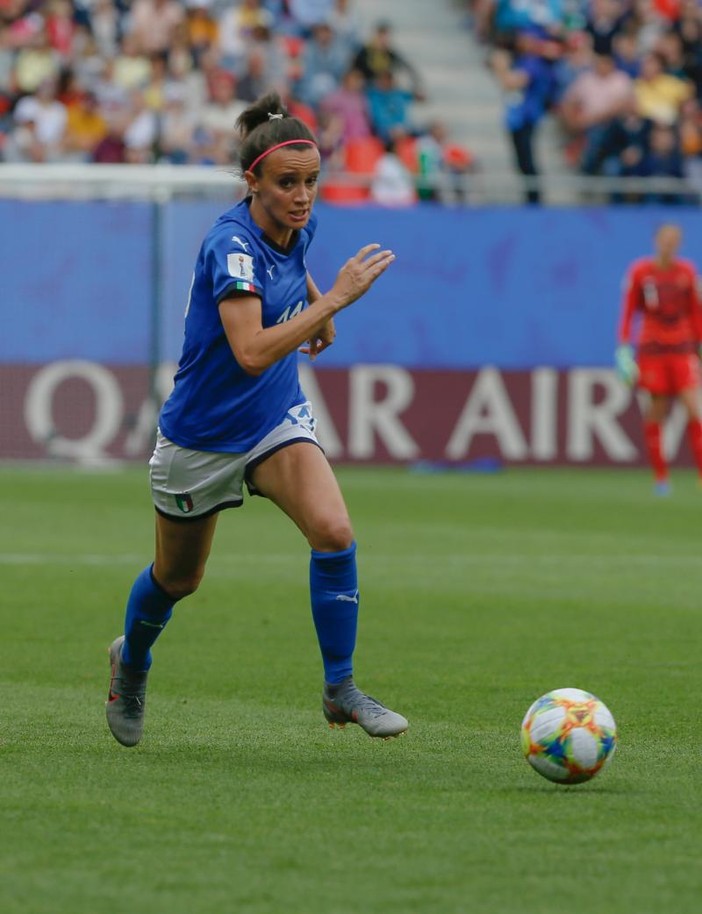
(623, 78)
(163, 81)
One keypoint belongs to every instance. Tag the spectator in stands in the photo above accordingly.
(660, 95)
(132, 66)
(141, 132)
(626, 53)
(152, 24)
(689, 28)
(160, 79)
(111, 95)
(324, 61)
(111, 150)
(176, 128)
(595, 98)
(21, 26)
(644, 20)
(345, 19)
(69, 89)
(306, 14)
(624, 149)
(85, 63)
(192, 81)
(664, 160)
(85, 128)
(6, 123)
(527, 82)
(219, 115)
(690, 127)
(254, 80)
(348, 106)
(201, 27)
(35, 62)
(442, 166)
(60, 26)
(378, 57)
(390, 108)
(392, 183)
(510, 18)
(45, 117)
(21, 143)
(105, 26)
(181, 61)
(7, 64)
(576, 58)
(604, 21)
(672, 53)
(238, 26)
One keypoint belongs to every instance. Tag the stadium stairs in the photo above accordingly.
(435, 35)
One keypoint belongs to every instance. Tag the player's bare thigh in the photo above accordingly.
(657, 408)
(300, 481)
(182, 550)
(690, 398)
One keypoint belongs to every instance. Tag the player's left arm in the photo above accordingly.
(325, 335)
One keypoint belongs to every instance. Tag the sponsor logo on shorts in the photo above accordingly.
(184, 502)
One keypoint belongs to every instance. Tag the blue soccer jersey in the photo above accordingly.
(215, 405)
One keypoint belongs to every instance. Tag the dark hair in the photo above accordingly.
(261, 127)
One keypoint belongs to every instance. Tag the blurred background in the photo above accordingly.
(516, 155)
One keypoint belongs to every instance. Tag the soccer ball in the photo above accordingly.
(568, 736)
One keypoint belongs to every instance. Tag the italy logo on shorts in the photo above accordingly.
(184, 502)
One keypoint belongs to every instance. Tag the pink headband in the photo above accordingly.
(279, 146)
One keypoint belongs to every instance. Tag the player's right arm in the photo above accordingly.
(256, 347)
(624, 354)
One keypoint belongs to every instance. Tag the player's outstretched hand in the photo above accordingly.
(360, 272)
(627, 369)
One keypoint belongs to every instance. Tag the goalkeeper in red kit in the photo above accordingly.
(662, 299)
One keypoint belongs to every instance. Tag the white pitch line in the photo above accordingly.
(49, 558)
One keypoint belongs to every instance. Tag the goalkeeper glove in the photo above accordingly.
(627, 369)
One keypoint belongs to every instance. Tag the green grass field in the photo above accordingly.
(480, 592)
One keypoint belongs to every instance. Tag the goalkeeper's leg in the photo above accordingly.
(653, 436)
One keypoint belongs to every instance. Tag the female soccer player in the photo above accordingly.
(663, 291)
(237, 415)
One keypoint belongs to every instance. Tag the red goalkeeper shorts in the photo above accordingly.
(668, 375)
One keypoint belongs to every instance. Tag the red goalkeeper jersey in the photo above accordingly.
(667, 301)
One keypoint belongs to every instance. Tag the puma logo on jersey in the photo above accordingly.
(244, 244)
(270, 269)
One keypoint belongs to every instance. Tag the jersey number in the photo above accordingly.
(290, 312)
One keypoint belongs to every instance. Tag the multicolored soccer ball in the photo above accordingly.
(568, 736)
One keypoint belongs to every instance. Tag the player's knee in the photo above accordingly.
(333, 534)
(179, 586)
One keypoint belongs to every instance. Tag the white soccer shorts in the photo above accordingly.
(187, 484)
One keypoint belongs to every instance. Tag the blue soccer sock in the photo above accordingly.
(334, 596)
(148, 609)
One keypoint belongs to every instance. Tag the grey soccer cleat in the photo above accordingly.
(345, 703)
(126, 699)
